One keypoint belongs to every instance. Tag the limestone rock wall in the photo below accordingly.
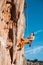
(9, 54)
(20, 30)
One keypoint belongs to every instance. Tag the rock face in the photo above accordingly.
(12, 26)
(20, 31)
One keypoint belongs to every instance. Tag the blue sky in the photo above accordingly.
(34, 21)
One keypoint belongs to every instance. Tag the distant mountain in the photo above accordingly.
(33, 62)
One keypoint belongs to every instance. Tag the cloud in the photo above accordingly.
(38, 31)
(34, 50)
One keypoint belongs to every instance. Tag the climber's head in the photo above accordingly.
(32, 33)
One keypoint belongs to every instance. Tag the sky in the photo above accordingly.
(34, 23)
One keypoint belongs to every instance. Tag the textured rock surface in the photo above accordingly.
(20, 31)
(11, 26)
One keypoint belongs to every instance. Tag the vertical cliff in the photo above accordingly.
(20, 30)
(12, 26)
